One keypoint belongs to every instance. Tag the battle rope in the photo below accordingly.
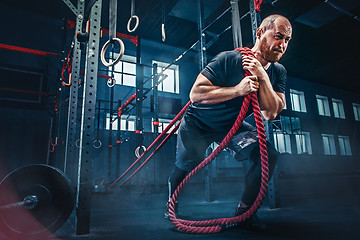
(152, 144)
(216, 225)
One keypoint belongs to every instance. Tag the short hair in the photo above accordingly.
(268, 22)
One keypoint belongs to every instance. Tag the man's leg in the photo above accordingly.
(252, 185)
(190, 150)
(253, 176)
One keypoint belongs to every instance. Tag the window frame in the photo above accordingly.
(120, 74)
(356, 110)
(345, 147)
(340, 113)
(283, 148)
(299, 102)
(303, 143)
(176, 83)
(324, 104)
(330, 144)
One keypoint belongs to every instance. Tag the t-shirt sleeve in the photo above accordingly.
(214, 70)
(222, 68)
(280, 72)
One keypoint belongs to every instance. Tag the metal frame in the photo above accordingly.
(236, 26)
(85, 167)
(255, 20)
(156, 126)
(71, 151)
(139, 96)
(202, 57)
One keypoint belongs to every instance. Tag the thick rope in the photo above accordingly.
(152, 145)
(216, 225)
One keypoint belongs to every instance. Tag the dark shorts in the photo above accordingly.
(192, 144)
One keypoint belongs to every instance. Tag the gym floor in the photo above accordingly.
(332, 213)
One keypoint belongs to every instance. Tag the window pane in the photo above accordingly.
(336, 109)
(320, 106)
(131, 125)
(342, 146)
(123, 125)
(326, 145)
(129, 80)
(169, 82)
(118, 67)
(356, 113)
(287, 144)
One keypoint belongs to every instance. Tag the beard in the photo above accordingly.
(270, 55)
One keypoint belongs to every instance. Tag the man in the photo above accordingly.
(217, 97)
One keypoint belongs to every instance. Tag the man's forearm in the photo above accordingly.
(270, 103)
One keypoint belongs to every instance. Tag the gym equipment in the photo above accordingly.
(35, 201)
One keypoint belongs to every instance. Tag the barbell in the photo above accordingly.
(35, 201)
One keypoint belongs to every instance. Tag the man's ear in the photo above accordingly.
(259, 32)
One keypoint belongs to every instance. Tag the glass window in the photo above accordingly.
(338, 108)
(282, 142)
(114, 122)
(125, 71)
(323, 105)
(297, 99)
(356, 108)
(329, 144)
(163, 123)
(171, 82)
(303, 144)
(344, 145)
(127, 122)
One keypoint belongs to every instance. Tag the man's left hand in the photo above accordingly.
(253, 65)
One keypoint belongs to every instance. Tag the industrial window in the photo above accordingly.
(127, 122)
(125, 71)
(163, 123)
(329, 144)
(282, 142)
(323, 105)
(356, 108)
(303, 144)
(171, 82)
(338, 108)
(344, 144)
(297, 101)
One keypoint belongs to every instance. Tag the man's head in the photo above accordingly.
(272, 37)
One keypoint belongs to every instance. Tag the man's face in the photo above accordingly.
(274, 41)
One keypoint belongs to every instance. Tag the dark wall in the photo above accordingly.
(316, 125)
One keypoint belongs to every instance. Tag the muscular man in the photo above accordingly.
(217, 97)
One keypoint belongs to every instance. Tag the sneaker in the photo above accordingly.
(166, 214)
(253, 223)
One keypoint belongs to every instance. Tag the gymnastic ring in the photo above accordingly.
(111, 82)
(136, 24)
(163, 36)
(97, 141)
(103, 50)
(137, 150)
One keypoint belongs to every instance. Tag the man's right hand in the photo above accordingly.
(247, 85)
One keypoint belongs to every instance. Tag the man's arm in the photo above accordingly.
(203, 91)
(271, 102)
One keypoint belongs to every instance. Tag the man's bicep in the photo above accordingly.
(200, 86)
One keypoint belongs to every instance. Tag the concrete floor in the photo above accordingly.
(138, 214)
(128, 215)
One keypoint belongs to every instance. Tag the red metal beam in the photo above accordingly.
(25, 50)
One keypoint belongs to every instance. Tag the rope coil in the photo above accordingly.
(217, 225)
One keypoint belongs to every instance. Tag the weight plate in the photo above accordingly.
(55, 201)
